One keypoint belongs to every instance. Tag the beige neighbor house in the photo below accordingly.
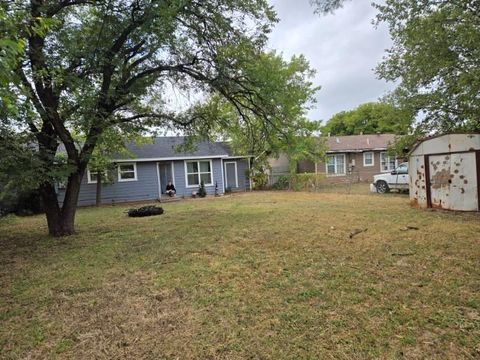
(278, 168)
(354, 158)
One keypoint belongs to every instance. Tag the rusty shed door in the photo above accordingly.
(453, 181)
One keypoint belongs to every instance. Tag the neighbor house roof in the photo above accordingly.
(167, 148)
(354, 143)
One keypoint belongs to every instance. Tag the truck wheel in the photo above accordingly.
(382, 187)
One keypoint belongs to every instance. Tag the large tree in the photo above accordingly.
(92, 66)
(435, 58)
(370, 118)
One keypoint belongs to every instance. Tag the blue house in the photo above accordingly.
(145, 175)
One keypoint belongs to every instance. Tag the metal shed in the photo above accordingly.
(445, 172)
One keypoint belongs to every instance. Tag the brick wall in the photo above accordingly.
(360, 172)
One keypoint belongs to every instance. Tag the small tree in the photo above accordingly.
(306, 147)
(289, 93)
(201, 190)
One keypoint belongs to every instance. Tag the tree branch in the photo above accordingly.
(152, 115)
(33, 96)
(55, 9)
(43, 84)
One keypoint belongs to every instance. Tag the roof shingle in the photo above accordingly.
(166, 147)
(359, 142)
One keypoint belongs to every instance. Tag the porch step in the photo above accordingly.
(169, 199)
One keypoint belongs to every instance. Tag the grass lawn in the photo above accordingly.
(269, 275)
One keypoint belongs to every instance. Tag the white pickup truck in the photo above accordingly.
(397, 179)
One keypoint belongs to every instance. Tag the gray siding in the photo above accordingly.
(217, 177)
(145, 188)
(242, 174)
(242, 171)
(181, 182)
(146, 185)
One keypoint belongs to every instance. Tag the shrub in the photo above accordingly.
(23, 204)
(145, 211)
(281, 183)
(259, 180)
(201, 190)
(299, 182)
(307, 181)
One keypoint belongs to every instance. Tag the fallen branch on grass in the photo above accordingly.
(408, 227)
(356, 232)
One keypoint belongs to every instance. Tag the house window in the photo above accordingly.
(197, 171)
(336, 164)
(387, 163)
(92, 176)
(127, 172)
(368, 159)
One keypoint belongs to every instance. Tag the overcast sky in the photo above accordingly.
(343, 48)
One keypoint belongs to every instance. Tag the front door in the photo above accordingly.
(165, 173)
(231, 178)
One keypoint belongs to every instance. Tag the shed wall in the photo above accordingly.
(448, 143)
(444, 172)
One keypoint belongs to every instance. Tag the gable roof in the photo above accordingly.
(165, 148)
(356, 143)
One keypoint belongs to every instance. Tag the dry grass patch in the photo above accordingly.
(262, 276)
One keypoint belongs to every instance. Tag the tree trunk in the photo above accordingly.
(52, 210)
(98, 198)
(61, 221)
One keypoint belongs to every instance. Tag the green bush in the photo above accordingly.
(300, 182)
(22, 203)
(201, 190)
(309, 182)
(281, 183)
(260, 180)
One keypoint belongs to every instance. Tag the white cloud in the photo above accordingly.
(343, 48)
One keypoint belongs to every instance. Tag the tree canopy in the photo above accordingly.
(369, 118)
(289, 93)
(327, 6)
(94, 70)
(436, 57)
